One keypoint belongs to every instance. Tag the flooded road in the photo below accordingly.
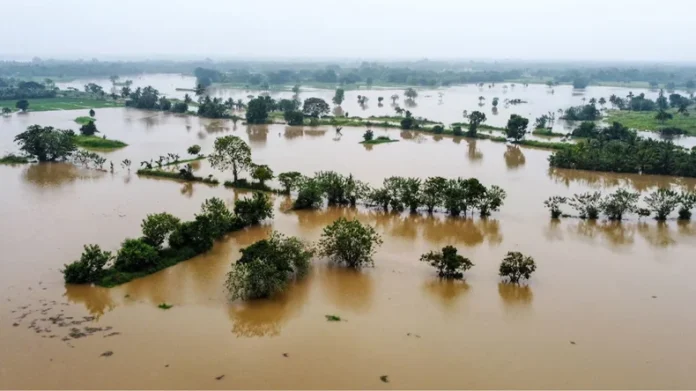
(609, 306)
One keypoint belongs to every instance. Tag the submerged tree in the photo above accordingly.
(554, 204)
(618, 203)
(230, 152)
(46, 143)
(448, 263)
(587, 204)
(516, 266)
(475, 119)
(157, 227)
(663, 202)
(349, 242)
(338, 97)
(289, 180)
(687, 200)
(89, 268)
(516, 127)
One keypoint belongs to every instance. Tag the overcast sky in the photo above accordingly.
(363, 29)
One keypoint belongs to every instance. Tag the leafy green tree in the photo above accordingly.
(230, 151)
(394, 98)
(602, 101)
(683, 109)
(252, 210)
(88, 129)
(180, 107)
(218, 217)
(267, 267)
(339, 96)
(164, 104)
(294, 118)
(476, 118)
(286, 105)
(379, 100)
(315, 107)
(516, 127)
(91, 113)
(438, 129)
(432, 191)
(516, 266)
(410, 193)
(6, 111)
(194, 150)
(661, 101)
(289, 180)
(135, 255)
(156, 228)
(408, 122)
(89, 268)
(587, 204)
(495, 102)
(491, 200)
(296, 89)
(663, 202)
(257, 111)
(554, 204)
(349, 242)
(22, 104)
(687, 200)
(380, 197)
(198, 235)
(410, 93)
(663, 116)
(262, 173)
(622, 201)
(457, 131)
(125, 92)
(45, 143)
(368, 135)
(309, 195)
(586, 129)
(448, 263)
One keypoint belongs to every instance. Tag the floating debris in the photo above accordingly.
(219, 377)
(333, 318)
(572, 342)
(384, 378)
(165, 306)
(285, 355)
(108, 353)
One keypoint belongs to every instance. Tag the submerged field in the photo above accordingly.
(602, 289)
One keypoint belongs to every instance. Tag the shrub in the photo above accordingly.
(448, 263)
(88, 129)
(516, 266)
(554, 203)
(457, 130)
(88, 268)
(687, 199)
(252, 210)
(663, 202)
(194, 149)
(198, 235)
(309, 195)
(368, 135)
(620, 202)
(267, 266)
(350, 243)
(156, 228)
(491, 200)
(219, 217)
(294, 117)
(289, 180)
(438, 129)
(135, 255)
(180, 107)
(587, 204)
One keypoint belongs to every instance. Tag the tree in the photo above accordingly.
(683, 109)
(408, 122)
(379, 100)
(289, 180)
(516, 266)
(164, 104)
(88, 129)
(661, 101)
(587, 204)
(663, 116)
(368, 135)
(267, 266)
(217, 217)
(349, 242)
(663, 202)
(490, 200)
(252, 210)
(309, 194)
(602, 101)
(554, 204)
(409, 193)
(89, 268)
(296, 89)
(315, 107)
(618, 203)
(199, 90)
(431, 192)
(179, 107)
(687, 200)
(187, 99)
(286, 105)
(135, 255)
(410, 93)
(194, 150)
(22, 104)
(516, 127)
(261, 173)
(91, 113)
(230, 151)
(294, 118)
(156, 228)
(448, 263)
(45, 143)
(394, 98)
(476, 118)
(6, 111)
(580, 83)
(339, 96)
(125, 92)
(495, 102)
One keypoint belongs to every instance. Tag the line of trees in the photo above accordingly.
(661, 202)
(147, 254)
(11, 89)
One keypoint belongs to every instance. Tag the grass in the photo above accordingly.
(244, 184)
(168, 257)
(645, 120)
(195, 159)
(379, 140)
(84, 120)
(63, 103)
(164, 306)
(175, 175)
(547, 132)
(13, 159)
(97, 142)
(333, 318)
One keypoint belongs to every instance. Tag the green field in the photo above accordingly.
(98, 142)
(645, 120)
(50, 104)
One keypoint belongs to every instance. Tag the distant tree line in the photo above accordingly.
(11, 89)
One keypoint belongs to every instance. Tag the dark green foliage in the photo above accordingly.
(687, 200)
(294, 118)
(587, 112)
(457, 131)
(408, 122)
(286, 105)
(289, 180)
(438, 129)
(432, 191)
(262, 173)
(144, 98)
(339, 96)
(315, 107)
(368, 135)
(448, 263)
(45, 143)
(194, 149)
(267, 267)
(476, 118)
(88, 129)
(180, 107)
(22, 104)
(349, 242)
(230, 152)
(554, 204)
(164, 306)
(156, 228)
(219, 217)
(198, 235)
(257, 110)
(309, 195)
(134, 255)
(13, 159)
(663, 116)
(252, 210)
(89, 268)
(580, 82)
(91, 113)
(516, 127)
(333, 318)
(212, 108)
(490, 200)
(587, 130)
(663, 202)
(516, 266)
(622, 201)
(587, 204)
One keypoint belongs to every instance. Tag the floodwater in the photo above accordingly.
(609, 306)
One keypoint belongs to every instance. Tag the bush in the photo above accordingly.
(663, 202)
(587, 204)
(267, 266)
(294, 118)
(88, 129)
(448, 263)
(516, 266)
(179, 107)
(219, 217)
(368, 135)
(157, 226)
(289, 180)
(350, 243)
(252, 210)
(309, 195)
(198, 235)
(438, 129)
(457, 130)
(89, 268)
(554, 203)
(194, 149)
(687, 199)
(620, 202)
(135, 255)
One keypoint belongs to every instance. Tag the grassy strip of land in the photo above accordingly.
(97, 142)
(13, 159)
(62, 103)
(167, 257)
(547, 132)
(244, 184)
(84, 120)
(177, 176)
(195, 159)
(379, 140)
(645, 120)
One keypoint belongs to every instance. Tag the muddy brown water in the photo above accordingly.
(609, 307)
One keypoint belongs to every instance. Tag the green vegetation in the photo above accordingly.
(63, 103)
(448, 263)
(183, 175)
(164, 306)
(46, 143)
(137, 258)
(97, 142)
(333, 318)
(267, 267)
(14, 159)
(645, 120)
(83, 120)
(516, 266)
(379, 140)
(242, 183)
(230, 152)
(183, 161)
(350, 243)
(547, 132)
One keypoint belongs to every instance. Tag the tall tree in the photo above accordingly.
(475, 119)
(338, 97)
(230, 152)
(516, 127)
(315, 107)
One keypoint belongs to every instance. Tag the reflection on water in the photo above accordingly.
(216, 126)
(515, 296)
(446, 292)
(553, 231)
(258, 134)
(514, 158)
(347, 289)
(57, 174)
(597, 180)
(97, 300)
(315, 132)
(474, 155)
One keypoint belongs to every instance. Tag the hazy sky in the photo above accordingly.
(366, 29)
